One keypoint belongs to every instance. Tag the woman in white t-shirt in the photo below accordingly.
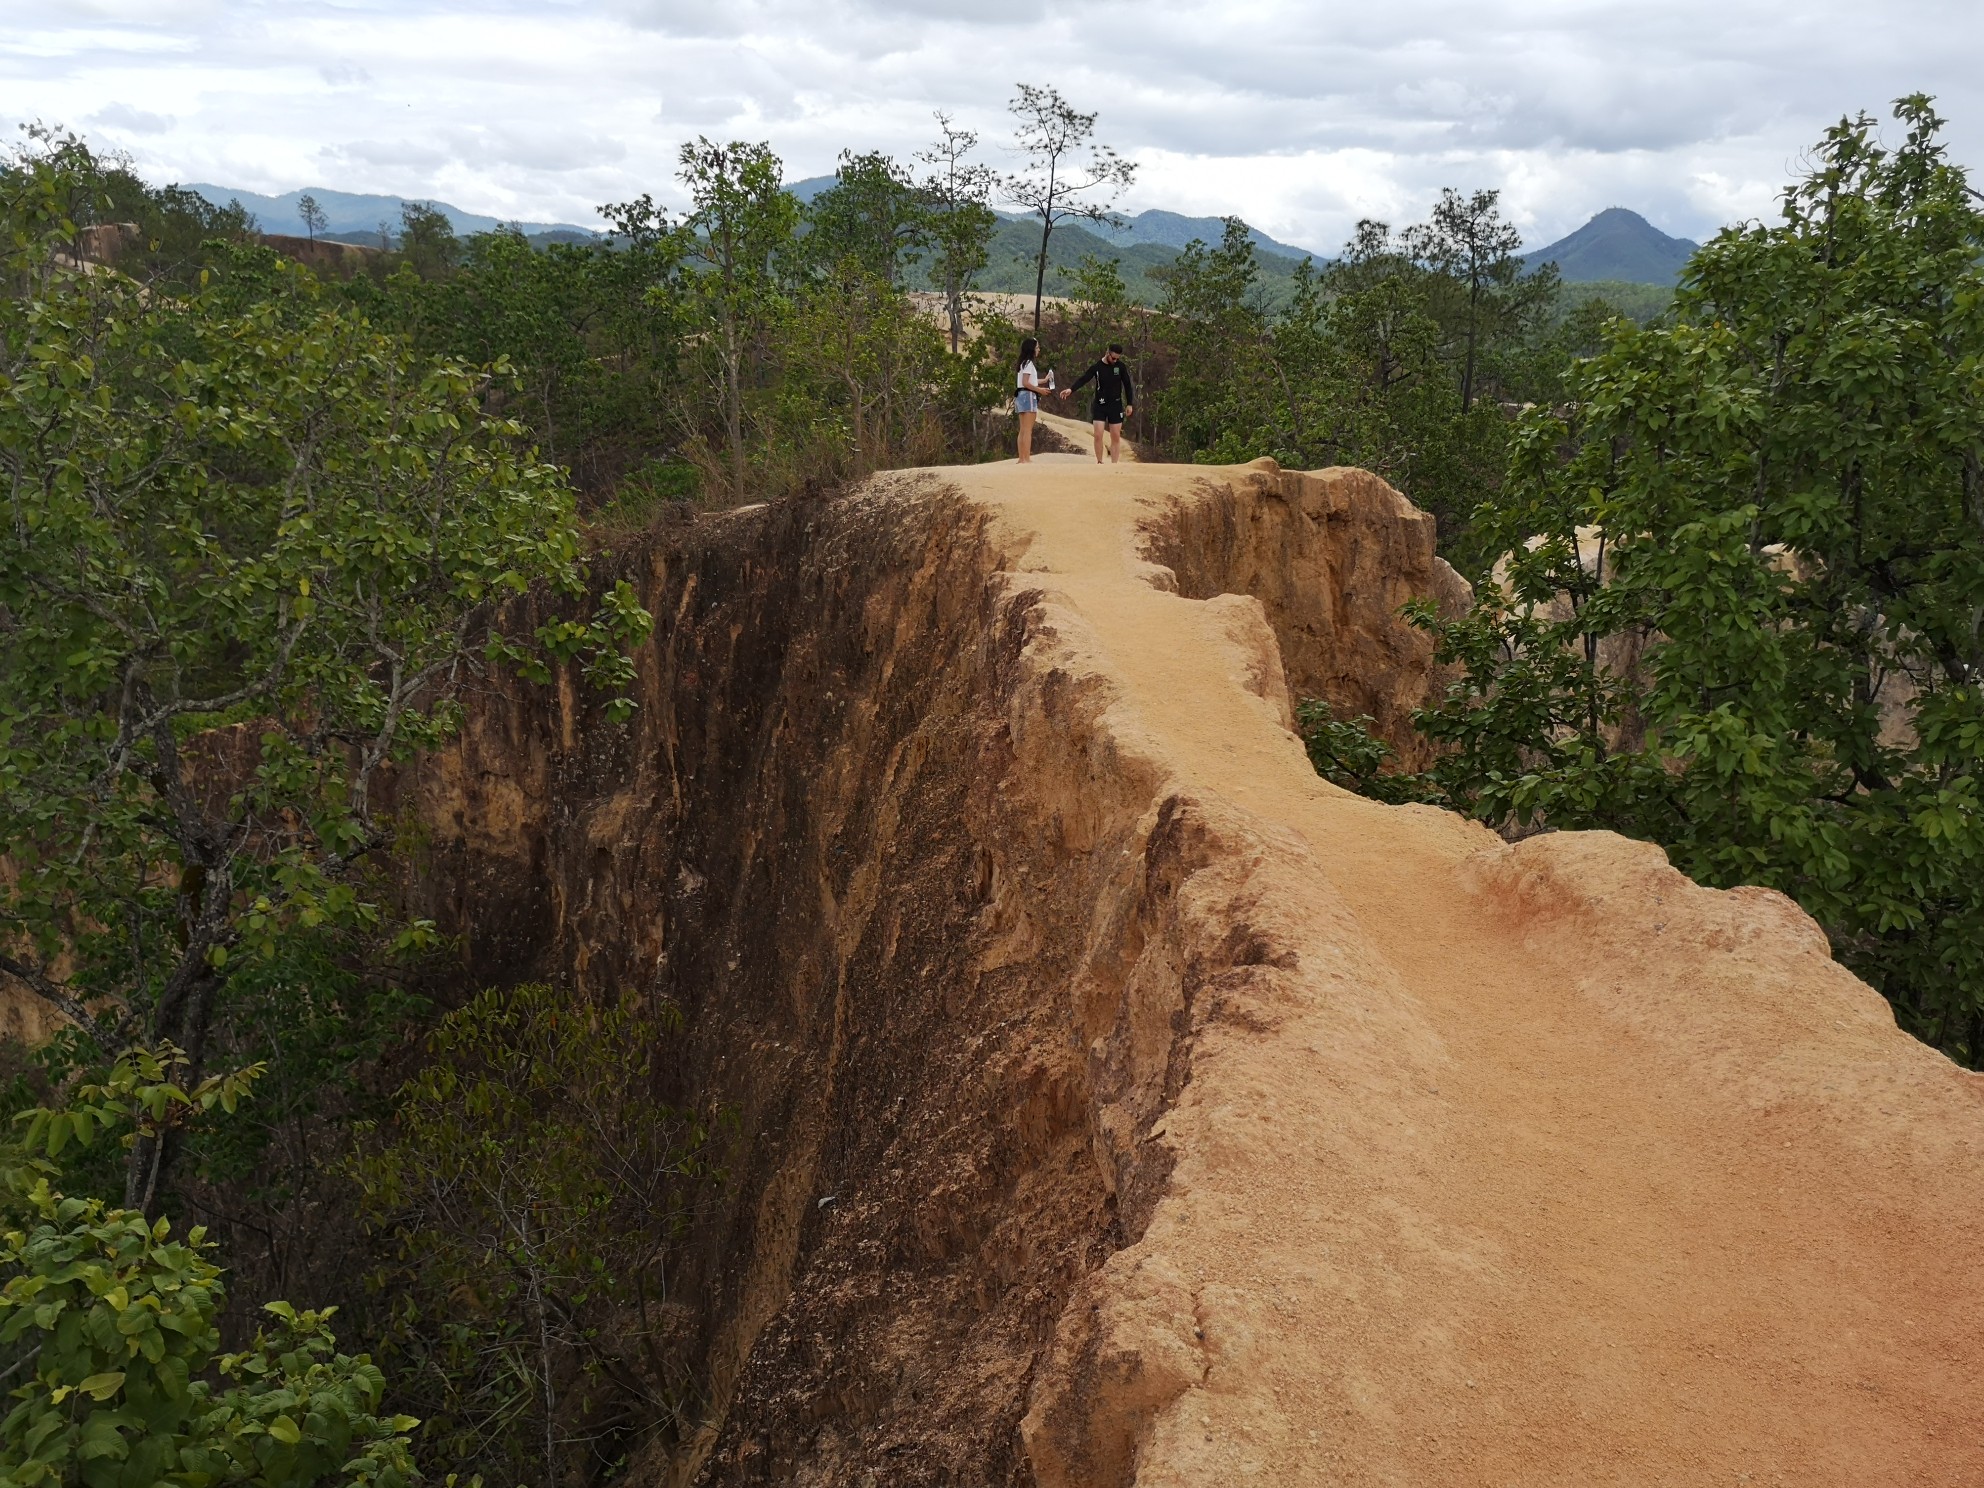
(1026, 398)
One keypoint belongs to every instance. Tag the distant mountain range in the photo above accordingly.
(356, 216)
(1157, 228)
(1617, 245)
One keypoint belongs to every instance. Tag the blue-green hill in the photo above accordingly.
(355, 216)
(1620, 245)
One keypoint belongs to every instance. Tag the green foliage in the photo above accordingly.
(1740, 615)
(960, 221)
(814, 363)
(1367, 365)
(873, 220)
(1100, 296)
(110, 1325)
(427, 240)
(1223, 329)
(1346, 753)
(740, 236)
(593, 350)
(863, 376)
(159, 236)
(1482, 294)
(750, 349)
(251, 550)
(1637, 302)
(534, 1192)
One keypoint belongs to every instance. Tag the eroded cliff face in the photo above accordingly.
(1332, 556)
(803, 840)
(874, 837)
(1120, 1103)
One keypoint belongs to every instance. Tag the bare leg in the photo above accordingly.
(1098, 441)
(1026, 438)
(1115, 444)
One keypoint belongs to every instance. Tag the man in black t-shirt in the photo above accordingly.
(1115, 399)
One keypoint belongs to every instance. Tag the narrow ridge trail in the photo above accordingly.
(1525, 1166)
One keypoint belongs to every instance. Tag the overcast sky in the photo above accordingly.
(1300, 115)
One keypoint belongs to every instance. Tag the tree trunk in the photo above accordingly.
(1473, 324)
(733, 411)
(545, 1363)
(1040, 274)
(142, 1172)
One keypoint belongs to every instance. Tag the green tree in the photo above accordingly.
(860, 378)
(1360, 365)
(534, 1194)
(1058, 185)
(961, 221)
(1217, 400)
(1468, 244)
(160, 236)
(592, 348)
(1779, 495)
(872, 216)
(1100, 304)
(743, 225)
(1391, 407)
(311, 214)
(110, 1326)
(427, 240)
(252, 550)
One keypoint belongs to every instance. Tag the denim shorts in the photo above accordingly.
(1025, 402)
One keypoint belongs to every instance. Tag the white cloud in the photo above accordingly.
(343, 74)
(1301, 117)
(121, 118)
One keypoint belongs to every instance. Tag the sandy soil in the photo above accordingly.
(1004, 308)
(1079, 432)
(1523, 1167)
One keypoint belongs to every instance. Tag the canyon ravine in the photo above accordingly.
(1116, 1102)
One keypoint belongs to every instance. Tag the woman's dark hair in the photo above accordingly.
(1029, 349)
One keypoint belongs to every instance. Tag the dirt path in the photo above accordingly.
(1535, 1167)
(1081, 435)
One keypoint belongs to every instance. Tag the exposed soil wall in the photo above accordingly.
(803, 840)
(1119, 1103)
(921, 909)
(1332, 555)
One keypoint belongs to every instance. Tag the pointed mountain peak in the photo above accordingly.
(1618, 243)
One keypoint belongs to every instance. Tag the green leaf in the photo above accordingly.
(103, 1386)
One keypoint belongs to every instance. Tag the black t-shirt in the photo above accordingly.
(1112, 383)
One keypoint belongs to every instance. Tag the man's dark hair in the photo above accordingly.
(1115, 348)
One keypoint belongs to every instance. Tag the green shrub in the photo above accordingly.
(109, 1326)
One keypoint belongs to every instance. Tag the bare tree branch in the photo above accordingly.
(48, 990)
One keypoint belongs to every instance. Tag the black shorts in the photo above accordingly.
(1106, 412)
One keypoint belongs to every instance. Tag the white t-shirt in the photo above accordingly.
(1028, 377)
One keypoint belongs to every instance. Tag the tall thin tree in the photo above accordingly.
(961, 219)
(1056, 185)
(1468, 241)
(744, 219)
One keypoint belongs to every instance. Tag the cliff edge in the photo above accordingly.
(1120, 1103)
